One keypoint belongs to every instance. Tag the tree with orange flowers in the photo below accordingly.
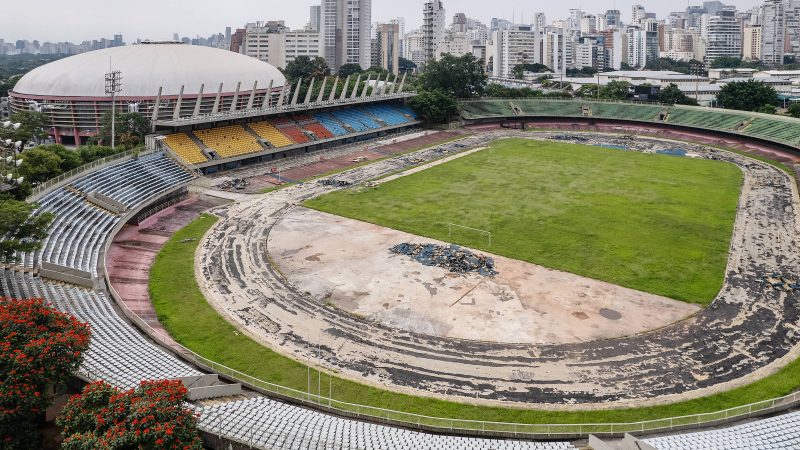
(39, 347)
(152, 416)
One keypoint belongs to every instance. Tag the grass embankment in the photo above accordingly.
(655, 223)
(194, 323)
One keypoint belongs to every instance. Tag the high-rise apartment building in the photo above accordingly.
(388, 42)
(751, 43)
(433, 25)
(314, 17)
(724, 35)
(773, 32)
(345, 36)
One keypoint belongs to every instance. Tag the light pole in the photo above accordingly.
(697, 69)
(113, 87)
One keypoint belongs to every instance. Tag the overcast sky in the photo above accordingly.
(78, 20)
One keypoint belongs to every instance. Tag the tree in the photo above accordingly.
(794, 110)
(70, 159)
(39, 347)
(39, 165)
(8, 84)
(434, 106)
(750, 95)
(130, 129)
(350, 69)
(305, 67)
(89, 153)
(520, 69)
(726, 62)
(21, 231)
(457, 76)
(673, 95)
(152, 416)
(768, 109)
(406, 65)
(32, 128)
(615, 90)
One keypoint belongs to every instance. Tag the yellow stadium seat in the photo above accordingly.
(185, 148)
(269, 133)
(230, 141)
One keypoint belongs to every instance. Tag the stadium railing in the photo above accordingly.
(432, 423)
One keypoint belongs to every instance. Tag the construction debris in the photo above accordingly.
(334, 183)
(453, 258)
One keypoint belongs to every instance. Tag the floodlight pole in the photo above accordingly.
(113, 87)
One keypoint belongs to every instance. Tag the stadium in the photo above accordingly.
(621, 270)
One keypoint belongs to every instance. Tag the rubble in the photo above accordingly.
(334, 183)
(453, 258)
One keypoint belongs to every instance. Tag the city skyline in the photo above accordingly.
(74, 25)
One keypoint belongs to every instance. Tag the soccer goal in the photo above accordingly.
(468, 236)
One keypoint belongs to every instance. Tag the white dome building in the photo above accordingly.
(203, 80)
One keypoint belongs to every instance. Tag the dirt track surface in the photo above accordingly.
(748, 332)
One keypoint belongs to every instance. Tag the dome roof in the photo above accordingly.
(145, 68)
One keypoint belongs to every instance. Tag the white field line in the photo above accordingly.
(428, 165)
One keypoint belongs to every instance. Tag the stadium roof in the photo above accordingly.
(145, 68)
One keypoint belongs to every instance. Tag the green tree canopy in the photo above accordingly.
(520, 69)
(794, 110)
(70, 159)
(750, 95)
(456, 76)
(673, 95)
(434, 106)
(406, 65)
(305, 67)
(350, 69)
(39, 165)
(498, 90)
(33, 128)
(615, 90)
(8, 84)
(131, 128)
(21, 231)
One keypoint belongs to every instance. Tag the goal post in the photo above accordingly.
(465, 231)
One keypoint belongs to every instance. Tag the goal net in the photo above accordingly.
(469, 236)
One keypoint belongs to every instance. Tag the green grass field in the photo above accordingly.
(189, 318)
(656, 223)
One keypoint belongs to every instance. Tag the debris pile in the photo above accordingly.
(569, 138)
(334, 183)
(453, 258)
(780, 282)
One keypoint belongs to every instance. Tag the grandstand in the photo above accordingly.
(774, 129)
(285, 134)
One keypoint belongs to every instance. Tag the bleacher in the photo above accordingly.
(229, 141)
(331, 124)
(781, 432)
(80, 229)
(647, 113)
(279, 132)
(779, 129)
(269, 424)
(186, 148)
(117, 353)
(774, 130)
(702, 119)
(356, 119)
(268, 132)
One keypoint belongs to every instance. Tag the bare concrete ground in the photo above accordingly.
(525, 303)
